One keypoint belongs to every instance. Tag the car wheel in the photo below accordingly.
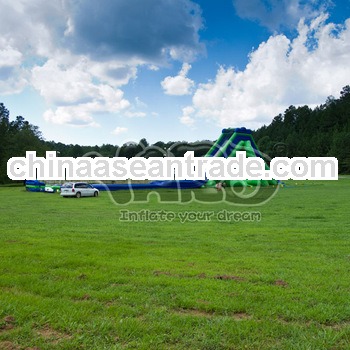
(78, 195)
(95, 194)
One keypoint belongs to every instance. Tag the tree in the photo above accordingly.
(345, 93)
(17, 137)
(323, 131)
(340, 148)
(4, 139)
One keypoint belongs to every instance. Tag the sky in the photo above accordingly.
(113, 71)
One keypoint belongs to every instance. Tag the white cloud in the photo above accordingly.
(78, 97)
(111, 100)
(186, 118)
(276, 14)
(119, 130)
(131, 114)
(9, 56)
(63, 85)
(121, 29)
(72, 115)
(78, 62)
(108, 101)
(12, 81)
(153, 68)
(30, 26)
(140, 103)
(280, 72)
(26, 37)
(12, 77)
(114, 73)
(180, 84)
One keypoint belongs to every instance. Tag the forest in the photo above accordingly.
(299, 131)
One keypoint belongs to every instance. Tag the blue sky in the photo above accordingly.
(114, 71)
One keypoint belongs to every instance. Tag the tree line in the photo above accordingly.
(299, 131)
(304, 132)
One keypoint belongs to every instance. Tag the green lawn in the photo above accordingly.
(74, 276)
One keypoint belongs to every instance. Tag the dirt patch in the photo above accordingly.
(160, 273)
(16, 241)
(9, 319)
(239, 316)
(228, 278)
(52, 335)
(109, 303)
(335, 325)
(7, 323)
(281, 283)
(7, 345)
(85, 297)
(119, 284)
(195, 312)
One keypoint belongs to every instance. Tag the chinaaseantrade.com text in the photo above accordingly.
(187, 167)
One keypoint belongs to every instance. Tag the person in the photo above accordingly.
(218, 186)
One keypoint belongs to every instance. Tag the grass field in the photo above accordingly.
(74, 276)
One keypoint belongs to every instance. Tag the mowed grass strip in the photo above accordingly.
(74, 276)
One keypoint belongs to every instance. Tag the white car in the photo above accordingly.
(52, 188)
(78, 189)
